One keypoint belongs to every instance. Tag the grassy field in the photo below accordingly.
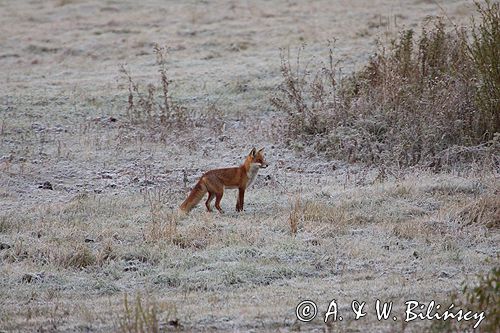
(89, 236)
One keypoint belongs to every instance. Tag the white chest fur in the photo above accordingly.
(252, 173)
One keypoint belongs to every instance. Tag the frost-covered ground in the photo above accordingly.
(69, 255)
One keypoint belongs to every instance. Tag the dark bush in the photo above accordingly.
(415, 102)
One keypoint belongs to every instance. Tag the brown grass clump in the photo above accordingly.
(296, 214)
(414, 103)
(6, 223)
(483, 211)
(409, 229)
(143, 316)
(162, 225)
(80, 257)
(161, 230)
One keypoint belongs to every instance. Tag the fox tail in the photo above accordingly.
(199, 190)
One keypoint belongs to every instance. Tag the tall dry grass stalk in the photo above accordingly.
(154, 108)
(162, 225)
(146, 315)
(296, 216)
(145, 107)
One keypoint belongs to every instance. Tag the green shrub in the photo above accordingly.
(484, 296)
(485, 53)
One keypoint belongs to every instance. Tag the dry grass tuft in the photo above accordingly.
(80, 257)
(162, 230)
(163, 224)
(295, 217)
(409, 229)
(484, 211)
(321, 212)
(145, 316)
(6, 222)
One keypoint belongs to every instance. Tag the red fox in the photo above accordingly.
(215, 181)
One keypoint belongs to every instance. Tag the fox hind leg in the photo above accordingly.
(209, 200)
(218, 198)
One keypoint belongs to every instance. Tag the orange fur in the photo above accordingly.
(215, 181)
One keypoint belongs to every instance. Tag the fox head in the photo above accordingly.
(257, 158)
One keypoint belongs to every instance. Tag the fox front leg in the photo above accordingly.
(241, 197)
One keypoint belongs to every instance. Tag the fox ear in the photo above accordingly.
(261, 149)
(252, 152)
